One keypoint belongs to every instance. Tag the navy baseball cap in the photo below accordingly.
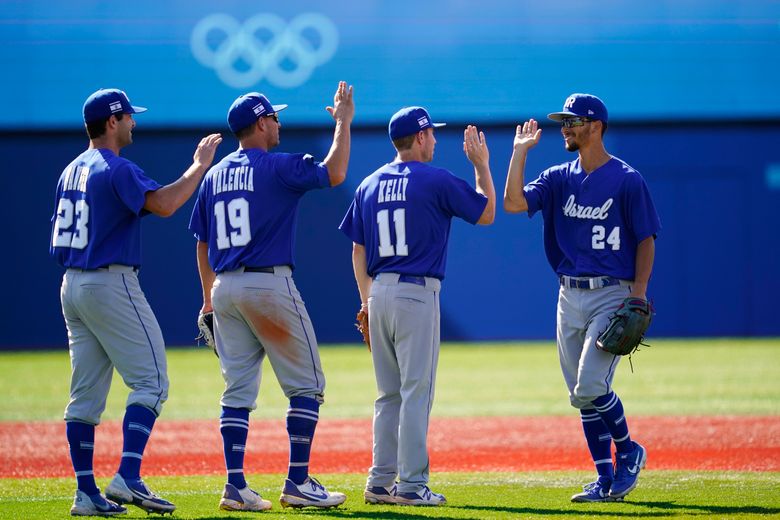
(409, 121)
(107, 101)
(248, 108)
(582, 105)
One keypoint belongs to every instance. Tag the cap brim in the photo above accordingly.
(558, 116)
(278, 108)
(437, 125)
(138, 110)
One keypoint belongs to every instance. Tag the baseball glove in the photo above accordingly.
(362, 326)
(206, 328)
(627, 327)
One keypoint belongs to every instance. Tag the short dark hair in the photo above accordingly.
(603, 128)
(97, 128)
(404, 143)
(245, 132)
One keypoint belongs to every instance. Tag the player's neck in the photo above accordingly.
(593, 157)
(411, 155)
(106, 142)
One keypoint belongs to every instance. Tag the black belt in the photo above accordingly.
(259, 270)
(596, 282)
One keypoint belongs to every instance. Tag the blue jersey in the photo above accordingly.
(98, 210)
(593, 222)
(247, 207)
(401, 213)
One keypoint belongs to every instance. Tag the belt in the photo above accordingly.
(112, 268)
(408, 278)
(588, 283)
(259, 270)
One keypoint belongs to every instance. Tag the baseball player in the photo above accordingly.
(399, 223)
(244, 221)
(96, 231)
(600, 226)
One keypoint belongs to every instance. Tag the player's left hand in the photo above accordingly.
(343, 108)
(527, 136)
(475, 146)
(206, 328)
(204, 153)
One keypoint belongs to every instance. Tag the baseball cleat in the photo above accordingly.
(234, 499)
(137, 493)
(423, 497)
(627, 468)
(380, 495)
(597, 491)
(310, 493)
(84, 505)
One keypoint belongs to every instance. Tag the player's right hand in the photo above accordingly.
(343, 108)
(204, 153)
(475, 146)
(527, 136)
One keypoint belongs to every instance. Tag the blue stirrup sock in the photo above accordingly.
(599, 442)
(234, 427)
(610, 408)
(81, 442)
(302, 417)
(136, 428)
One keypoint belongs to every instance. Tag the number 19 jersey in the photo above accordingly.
(401, 214)
(247, 207)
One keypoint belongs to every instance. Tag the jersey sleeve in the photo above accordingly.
(300, 172)
(131, 186)
(199, 221)
(642, 216)
(538, 193)
(460, 199)
(352, 224)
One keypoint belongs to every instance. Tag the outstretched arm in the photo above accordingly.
(342, 111)
(526, 137)
(476, 150)
(165, 201)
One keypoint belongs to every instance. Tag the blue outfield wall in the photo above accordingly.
(716, 187)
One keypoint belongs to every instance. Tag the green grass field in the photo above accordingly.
(692, 377)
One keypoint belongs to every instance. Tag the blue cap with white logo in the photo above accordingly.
(409, 121)
(248, 108)
(582, 105)
(108, 101)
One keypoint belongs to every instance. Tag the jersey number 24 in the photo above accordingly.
(598, 242)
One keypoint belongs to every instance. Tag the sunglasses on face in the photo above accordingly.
(571, 122)
(275, 116)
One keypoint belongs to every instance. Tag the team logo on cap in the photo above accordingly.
(258, 109)
(116, 106)
(569, 103)
(422, 121)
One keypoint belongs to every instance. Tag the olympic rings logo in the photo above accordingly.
(264, 46)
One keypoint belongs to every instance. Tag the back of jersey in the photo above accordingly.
(402, 213)
(99, 202)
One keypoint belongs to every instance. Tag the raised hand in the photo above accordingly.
(475, 146)
(343, 108)
(527, 136)
(204, 153)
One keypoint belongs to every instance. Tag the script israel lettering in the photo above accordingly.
(574, 210)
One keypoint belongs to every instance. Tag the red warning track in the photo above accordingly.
(30, 450)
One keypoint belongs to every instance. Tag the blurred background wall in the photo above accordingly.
(692, 89)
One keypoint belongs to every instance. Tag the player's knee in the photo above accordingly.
(580, 399)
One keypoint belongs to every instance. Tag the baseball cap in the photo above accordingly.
(248, 108)
(107, 101)
(409, 121)
(582, 105)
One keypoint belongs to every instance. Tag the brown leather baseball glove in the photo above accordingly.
(362, 326)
